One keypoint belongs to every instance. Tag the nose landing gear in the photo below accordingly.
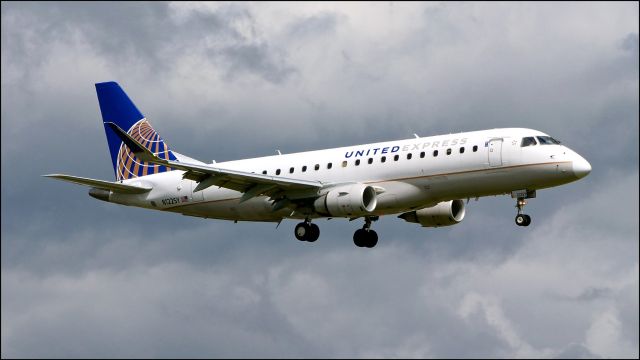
(523, 220)
(522, 195)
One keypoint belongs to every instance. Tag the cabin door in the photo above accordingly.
(495, 152)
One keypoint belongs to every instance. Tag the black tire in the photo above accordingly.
(372, 238)
(527, 220)
(302, 231)
(521, 220)
(314, 233)
(359, 237)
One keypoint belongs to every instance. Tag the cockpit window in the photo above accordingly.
(547, 140)
(528, 141)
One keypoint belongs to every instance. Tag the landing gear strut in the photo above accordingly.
(366, 237)
(523, 219)
(306, 231)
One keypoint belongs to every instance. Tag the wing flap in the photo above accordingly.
(101, 184)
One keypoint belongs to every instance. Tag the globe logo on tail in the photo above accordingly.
(128, 166)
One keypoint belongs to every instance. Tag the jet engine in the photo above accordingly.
(442, 214)
(347, 200)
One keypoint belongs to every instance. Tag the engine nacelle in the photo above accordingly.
(442, 214)
(347, 200)
(100, 194)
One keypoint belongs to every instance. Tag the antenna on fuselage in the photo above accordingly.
(416, 135)
(278, 151)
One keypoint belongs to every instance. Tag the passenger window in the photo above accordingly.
(344, 163)
(409, 156)
(304, 168)
(383, 159)
(278, 172)
(264, 172)
(317, 167)
(396, 157)
(329, 166)
(462, 150)
(290, 170)
(370, 161)
(528, 141)
(449, 151)
(358, 162)
(421, 154)
(475, 148)
(435, 153)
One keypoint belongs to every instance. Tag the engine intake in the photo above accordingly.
(347, 200)
(445, 213)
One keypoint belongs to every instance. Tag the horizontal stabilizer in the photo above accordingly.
(101, 184)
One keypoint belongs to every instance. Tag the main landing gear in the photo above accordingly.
(523, 219)
(366, 237)
(306, 231)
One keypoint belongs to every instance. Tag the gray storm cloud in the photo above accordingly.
(231, 80)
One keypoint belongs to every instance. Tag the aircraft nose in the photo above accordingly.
(581, 167)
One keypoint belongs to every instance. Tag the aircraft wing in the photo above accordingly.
(101, 184)
(250, 184)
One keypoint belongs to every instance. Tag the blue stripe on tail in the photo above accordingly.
(116, 107)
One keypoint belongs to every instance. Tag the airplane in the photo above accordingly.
(423, 179)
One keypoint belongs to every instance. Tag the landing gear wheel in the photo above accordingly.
(359, 237)
(365, 238)
(372, 239)
(306, 231)
(523, 220)
(302, 231)
(314, 233)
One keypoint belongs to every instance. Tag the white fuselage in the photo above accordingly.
(499, 165)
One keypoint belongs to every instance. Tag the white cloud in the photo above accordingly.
(494, 316)
(604, 337)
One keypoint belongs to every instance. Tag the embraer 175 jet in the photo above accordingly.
(422, 179)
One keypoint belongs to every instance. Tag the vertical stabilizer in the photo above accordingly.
(116, 107)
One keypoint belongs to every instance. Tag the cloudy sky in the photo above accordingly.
(227, 81)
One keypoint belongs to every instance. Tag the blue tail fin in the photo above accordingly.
(116, 107)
